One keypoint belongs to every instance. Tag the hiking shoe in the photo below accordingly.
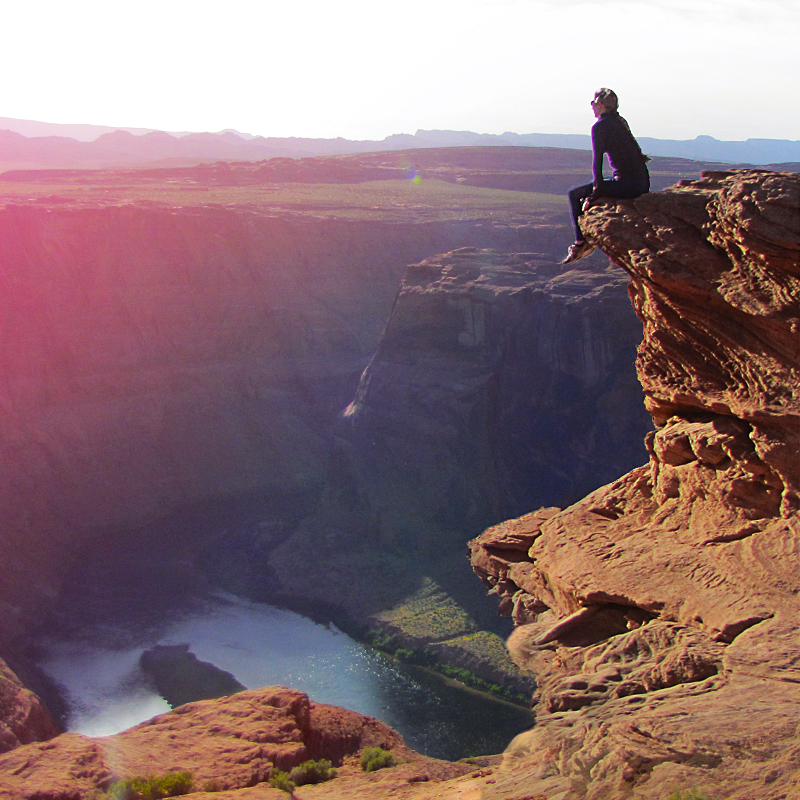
(577, 251)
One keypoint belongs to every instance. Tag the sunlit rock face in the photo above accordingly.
(661, 612)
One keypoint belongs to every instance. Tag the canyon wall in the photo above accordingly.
(501, 381)
(660, 613)
(23, 717)
(154, 357)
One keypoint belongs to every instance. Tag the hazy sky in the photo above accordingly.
(366, 69)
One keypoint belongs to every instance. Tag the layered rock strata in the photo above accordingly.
(500, 380)
(661, 612)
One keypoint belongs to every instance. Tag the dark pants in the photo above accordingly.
(616, 187)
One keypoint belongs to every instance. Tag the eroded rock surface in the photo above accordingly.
(236, 742)
(661, 612)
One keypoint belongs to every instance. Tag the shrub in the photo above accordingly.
(688, 794)
(312, 772)
(280, 780)
(171, 785)
(387, 642)
(374, 758)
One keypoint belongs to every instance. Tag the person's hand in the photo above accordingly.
(588, 202)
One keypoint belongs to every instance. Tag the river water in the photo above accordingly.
(261, 646)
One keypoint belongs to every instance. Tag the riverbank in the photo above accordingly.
(260, 645)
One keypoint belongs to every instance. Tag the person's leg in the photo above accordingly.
(623, 188)
(609, 188)
(581, 247)
(576, 198)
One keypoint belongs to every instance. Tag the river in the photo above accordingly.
(261, 646)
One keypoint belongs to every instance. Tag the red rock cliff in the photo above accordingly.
(661, 612)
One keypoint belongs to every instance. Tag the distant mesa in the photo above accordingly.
(71, 146)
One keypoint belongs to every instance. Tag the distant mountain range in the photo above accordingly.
(40, 144)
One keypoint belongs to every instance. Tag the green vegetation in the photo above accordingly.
(430, 629)
(312, 772)
(280, 780)
(170, 785)
(375, 758)
(689, 794)
(428, 614)
(307, 772)
(425, 657)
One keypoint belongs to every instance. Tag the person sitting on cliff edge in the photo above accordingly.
(611, 135)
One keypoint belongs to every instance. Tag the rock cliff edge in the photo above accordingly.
(227, 744)
(661, 613)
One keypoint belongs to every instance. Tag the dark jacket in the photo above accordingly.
(611, 134)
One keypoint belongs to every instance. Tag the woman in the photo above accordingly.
(611, 135)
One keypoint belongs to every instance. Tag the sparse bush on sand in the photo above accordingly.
(280, 780)
(173, 784)
(312, 772)
(374, 758)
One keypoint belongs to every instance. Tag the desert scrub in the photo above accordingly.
(280, 780)
(312, 772)
(171, 785)
(374, 758)
(689, 794)
(381, 640)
